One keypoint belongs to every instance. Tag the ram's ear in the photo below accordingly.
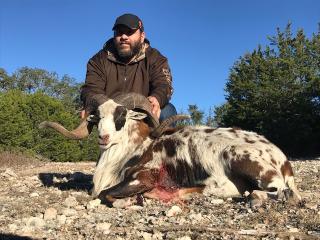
(136, 115)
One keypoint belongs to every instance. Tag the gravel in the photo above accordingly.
(46, 200)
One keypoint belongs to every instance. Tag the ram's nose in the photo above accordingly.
(104, 139)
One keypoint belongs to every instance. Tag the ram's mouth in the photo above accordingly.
(104, 146)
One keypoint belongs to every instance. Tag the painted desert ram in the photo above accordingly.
(141, 156)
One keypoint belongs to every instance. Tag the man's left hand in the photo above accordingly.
(155, 106)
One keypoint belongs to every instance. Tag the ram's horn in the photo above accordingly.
(138, 102)
(157, 132)
(86, 126)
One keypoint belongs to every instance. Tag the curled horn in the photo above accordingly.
(138, 101)
(85, 127)
(82, 131)
(157, 132)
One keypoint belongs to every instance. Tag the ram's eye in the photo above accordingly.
(93, 118)
(120, 117)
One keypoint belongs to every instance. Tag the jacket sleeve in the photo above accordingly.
(95, 82)
(160, 78)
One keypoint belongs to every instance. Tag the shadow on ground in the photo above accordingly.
(13, 237)
(67, 181)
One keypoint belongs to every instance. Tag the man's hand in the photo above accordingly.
(83, 114)
(155, 106)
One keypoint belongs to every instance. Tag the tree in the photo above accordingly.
(196, 115)
(16, 129)
(276, 92)
(20, 116)
(31, 80)
(6, 82)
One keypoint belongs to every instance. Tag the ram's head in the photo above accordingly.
(112, 116)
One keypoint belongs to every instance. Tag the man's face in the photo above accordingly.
(128, 42)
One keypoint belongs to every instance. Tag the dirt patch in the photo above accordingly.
(46, 200)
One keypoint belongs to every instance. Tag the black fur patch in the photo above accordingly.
(120, 117)
(170, 146)
(185, 134)
(185, 175)
(209, 130)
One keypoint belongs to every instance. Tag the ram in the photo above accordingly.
(141, 156)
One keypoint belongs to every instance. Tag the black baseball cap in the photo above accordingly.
(130, 20)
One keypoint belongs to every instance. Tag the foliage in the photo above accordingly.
(198, 117)
(31, 80)
(276, 92)
(40, 96)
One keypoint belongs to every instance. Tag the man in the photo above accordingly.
(127, 63)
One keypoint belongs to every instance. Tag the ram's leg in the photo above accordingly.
(186, 192)
(220, 187)
(173, 195)
(287, 172)
(247, 163)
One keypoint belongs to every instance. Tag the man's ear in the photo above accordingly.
(143, 36)
(136, 115)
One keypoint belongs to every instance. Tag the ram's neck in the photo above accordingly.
(110, 168)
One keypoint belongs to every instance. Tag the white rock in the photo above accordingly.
(22, 189)
(70, 202)
(122, 203)
(9, 173)
(260, 226)
(312, 206)
(217, 201)
(157, 235)
(246, 194)
(61, 219)
(35, 222)
(28, 231)
(57, 191)
(79, 207)
(174, 211)
(248, 232)
(69, 221)
(142, 220)
(184, 238)
(104, 227)
(257, 194)
(34, 178)
(69, 212)
(196, 216)
(34, 194)
(135, 208)
(76, 193)
(93, 203)
(293, 230)
(13, 227)
(50, 213)
(146, 236)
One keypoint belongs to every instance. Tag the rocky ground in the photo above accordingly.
(46, 200)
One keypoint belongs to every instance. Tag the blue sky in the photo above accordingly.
(202, 38)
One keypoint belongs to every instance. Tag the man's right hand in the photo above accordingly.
(155, 106)
(83, 114)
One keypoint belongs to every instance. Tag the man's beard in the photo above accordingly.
(125, 55)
